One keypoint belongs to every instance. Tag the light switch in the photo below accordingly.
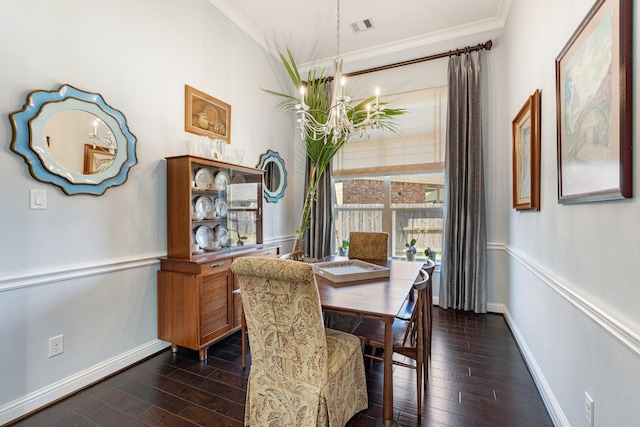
(38, 199)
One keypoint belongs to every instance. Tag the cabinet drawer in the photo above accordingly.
(215, 266)
(273, 251)
(196, 268)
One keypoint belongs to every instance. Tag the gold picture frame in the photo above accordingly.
(526, 155)
(97, 159)
(206, 115)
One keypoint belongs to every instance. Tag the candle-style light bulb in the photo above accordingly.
(377, 95)
(302, 91)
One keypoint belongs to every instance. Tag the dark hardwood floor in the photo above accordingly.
(477, 377)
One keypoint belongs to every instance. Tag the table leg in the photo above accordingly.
(387, 391)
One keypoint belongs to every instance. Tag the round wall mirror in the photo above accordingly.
(74, 140)
(275, 176)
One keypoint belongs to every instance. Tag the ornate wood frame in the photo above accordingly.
(207, 116)
(594, 109)
(526, 155)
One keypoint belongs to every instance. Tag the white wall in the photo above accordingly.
(573, 290)
(86, 266)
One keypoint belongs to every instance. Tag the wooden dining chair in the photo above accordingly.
(410, 337)
(368, 245)
(407, 309)
(301, 373)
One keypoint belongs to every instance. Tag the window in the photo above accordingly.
(406, 206)
(395, 182)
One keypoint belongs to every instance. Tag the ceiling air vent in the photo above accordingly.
(362, 25)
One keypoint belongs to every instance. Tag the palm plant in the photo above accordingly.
(321, 148)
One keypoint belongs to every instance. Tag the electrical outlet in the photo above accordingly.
(588, 408)
(56, 345)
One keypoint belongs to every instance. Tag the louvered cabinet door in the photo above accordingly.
(215, 317)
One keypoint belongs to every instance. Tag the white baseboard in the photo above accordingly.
(549, 399)
(491, 307)
(72, 384)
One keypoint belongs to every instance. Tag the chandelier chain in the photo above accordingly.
(338, 30)
(341, 119)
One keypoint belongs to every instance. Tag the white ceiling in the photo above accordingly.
(308, 27)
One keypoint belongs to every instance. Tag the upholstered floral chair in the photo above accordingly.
(368, 245)
(301, 373)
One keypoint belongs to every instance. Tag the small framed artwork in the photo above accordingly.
(526, 155)
(206, 115)
(97, 159)
(594, 109)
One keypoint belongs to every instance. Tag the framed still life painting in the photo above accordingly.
(526, 155)
(97, 159)
(593, 98)
(206, 115)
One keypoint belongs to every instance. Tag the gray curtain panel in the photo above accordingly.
(317, 242)
(463, 283)
(317, 238)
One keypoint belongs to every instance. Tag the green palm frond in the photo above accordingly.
(321, 148)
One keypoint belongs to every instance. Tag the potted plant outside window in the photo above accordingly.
(410, 252)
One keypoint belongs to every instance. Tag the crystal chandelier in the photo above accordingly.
(342, 119)
(107, 141)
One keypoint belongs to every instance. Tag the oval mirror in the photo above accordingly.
(74, 140)
(275, 176)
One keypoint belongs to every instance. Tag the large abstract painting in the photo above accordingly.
(593, 94)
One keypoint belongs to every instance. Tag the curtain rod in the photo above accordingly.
(467, 49)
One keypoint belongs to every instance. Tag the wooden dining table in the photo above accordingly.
(380, 299)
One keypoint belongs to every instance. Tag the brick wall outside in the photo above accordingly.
(364, 191)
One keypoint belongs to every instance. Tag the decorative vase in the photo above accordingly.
(410, 256)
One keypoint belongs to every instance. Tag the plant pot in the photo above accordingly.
(410, 256)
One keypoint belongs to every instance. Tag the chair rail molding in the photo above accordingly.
(627, 334)
(37, 278)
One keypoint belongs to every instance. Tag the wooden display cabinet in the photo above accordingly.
(214, 215)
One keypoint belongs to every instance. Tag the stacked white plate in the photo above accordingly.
(206, 237)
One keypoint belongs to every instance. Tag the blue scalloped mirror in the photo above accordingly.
(74, 140)
(275, 175)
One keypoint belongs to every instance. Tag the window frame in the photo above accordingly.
(386, 209)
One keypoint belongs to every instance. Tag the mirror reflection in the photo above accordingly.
(275, 175)
(74, 140)
(79, 141)
(272, 176)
